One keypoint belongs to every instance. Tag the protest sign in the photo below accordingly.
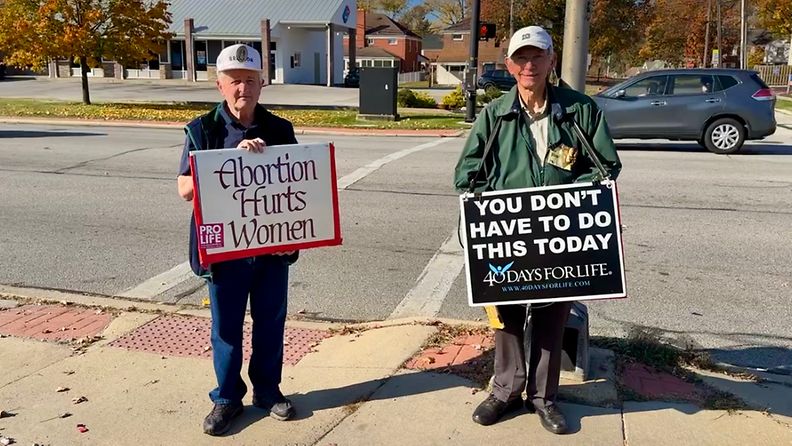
(248, 204)
(544, 244)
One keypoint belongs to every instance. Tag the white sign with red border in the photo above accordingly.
(248, 204)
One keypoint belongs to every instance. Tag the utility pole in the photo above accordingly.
(706, 34)
(574, 62)
(743, 37)
(720, 25)
(472, 69)
(511, 18)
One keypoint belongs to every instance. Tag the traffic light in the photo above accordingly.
(487, 31)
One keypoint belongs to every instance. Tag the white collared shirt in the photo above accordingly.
(538, 126)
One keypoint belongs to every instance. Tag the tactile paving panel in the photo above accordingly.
(53, 322)
(173, 335)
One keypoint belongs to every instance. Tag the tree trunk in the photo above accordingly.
(84, 75)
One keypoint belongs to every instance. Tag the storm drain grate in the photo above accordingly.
(173, 335)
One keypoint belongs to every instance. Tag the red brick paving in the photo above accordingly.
(654, 384)
(53, 322)
(461, 350)
(189, 336)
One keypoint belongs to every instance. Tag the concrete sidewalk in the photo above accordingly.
(351, 385)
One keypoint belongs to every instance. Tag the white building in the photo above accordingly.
(306, 37)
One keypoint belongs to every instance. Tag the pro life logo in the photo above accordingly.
(497, 274)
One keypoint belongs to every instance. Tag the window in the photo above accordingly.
(370, 42)
(457, 37)
(214, 47)
(393, 42)
(653, 86)
(727, 82)
(379, 63)
(692, 84)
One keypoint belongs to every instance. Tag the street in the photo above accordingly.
(707, 238)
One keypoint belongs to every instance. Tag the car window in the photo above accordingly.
(727, 82)
(693, 84)
(651, 86)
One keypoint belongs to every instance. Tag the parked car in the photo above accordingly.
(352, 78)
(500, 79)
(718, 108)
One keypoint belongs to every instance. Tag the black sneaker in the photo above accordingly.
(219, 419)
(279, 408)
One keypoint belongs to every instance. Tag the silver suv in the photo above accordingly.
(718, 108)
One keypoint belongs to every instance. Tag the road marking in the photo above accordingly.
(160, 283)
(372, 167)
(427, 296)
(182, 272)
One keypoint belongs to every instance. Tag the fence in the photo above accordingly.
(774, 75)
(415, 76)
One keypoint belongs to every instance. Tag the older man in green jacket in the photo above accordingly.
(533, 142)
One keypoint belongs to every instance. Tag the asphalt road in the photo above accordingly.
(707, 239)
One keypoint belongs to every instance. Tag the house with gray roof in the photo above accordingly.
(304, 39)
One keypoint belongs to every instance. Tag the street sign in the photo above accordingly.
(716, 58)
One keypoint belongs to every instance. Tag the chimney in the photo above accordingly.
(360, 30)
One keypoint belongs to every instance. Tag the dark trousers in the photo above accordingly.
(264, 279)
(544, 341)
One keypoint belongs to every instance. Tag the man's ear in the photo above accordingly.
(217, 84)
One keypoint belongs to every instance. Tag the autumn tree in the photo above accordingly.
(393, 8)
(617, 28)
(415, 20)
(127, 31)
(775, 16)
(447, 12)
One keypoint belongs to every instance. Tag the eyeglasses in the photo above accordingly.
(522, 59)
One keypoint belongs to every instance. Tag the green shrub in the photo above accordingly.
(455, 99)
(404, 97)
(490, 94)
(408, 98)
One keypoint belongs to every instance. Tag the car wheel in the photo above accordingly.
(724, 136)
(489, 85)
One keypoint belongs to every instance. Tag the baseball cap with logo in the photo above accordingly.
(530, 36)
(239, 57)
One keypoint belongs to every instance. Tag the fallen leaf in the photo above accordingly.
(79, 399)
(64, 415)
(81, 428)
(62, 389)
(98, 312)
(4, 414)
(153, 381)
(205, 301)
(6, 441)
(47, 331)
(301, 311)
(68, 372)
(207, 348)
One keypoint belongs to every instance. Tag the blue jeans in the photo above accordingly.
(265, 280)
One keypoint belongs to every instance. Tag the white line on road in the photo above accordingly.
(427, 296)
(160, 283)
(348, 180)
(181, 273)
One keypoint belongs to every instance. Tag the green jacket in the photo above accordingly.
(512, 162)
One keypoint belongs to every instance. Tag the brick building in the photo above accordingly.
(450, 60)
(386, 43)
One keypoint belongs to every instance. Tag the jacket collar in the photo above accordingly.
(510, 106)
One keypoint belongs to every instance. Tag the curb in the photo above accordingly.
(333, 131)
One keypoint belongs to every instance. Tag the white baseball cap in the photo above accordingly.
(530, 36)
(239, 57)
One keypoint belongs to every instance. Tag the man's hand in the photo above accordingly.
(255, 145)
